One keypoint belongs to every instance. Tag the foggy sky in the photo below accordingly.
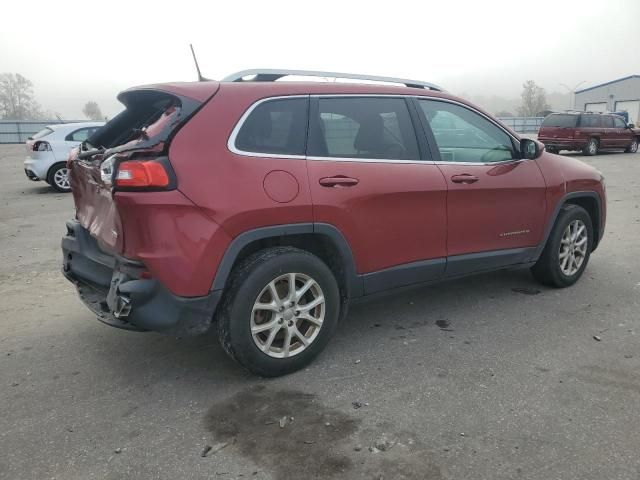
(75, 51)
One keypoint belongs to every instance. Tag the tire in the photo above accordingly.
(592, 147)
(633, 148)
(58, 177)
(553, 150)
(249, 285)
(549, 270)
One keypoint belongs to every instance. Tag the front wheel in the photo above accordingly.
(633, 148)
(58, 178)
(279, 311)
(568, 249)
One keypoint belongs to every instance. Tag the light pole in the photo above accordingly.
(572, 92)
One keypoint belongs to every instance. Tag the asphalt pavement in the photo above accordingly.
(468, 379)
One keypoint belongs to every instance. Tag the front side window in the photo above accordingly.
(465, 136)
(276, 126)
(363, 127)
(619, 122)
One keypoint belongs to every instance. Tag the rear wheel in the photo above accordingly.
(552, 150)
(633, 148)
(592, 147)
(58, 177)
(568, 249)
(280, 310)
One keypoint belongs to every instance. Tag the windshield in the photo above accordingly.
(562, 121)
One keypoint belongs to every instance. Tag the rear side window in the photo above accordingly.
(42, 133)
(607, 121)
(590, 121)
(357, 127)
(560, 121)
(276, 126)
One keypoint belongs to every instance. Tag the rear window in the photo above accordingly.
(275, 127)
(562, 121)
(42, 133)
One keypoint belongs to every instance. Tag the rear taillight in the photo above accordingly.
(41, 146)
(142, 174)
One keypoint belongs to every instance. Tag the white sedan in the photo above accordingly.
(48, 150)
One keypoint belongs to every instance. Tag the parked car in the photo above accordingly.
(261, 208)
(588, 132)
(48, 151)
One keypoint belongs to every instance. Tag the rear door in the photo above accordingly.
(368, 180)
(495, 200)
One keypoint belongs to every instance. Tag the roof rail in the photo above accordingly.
(271, 75)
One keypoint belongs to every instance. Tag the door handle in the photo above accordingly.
(464, 178)
(338, 181)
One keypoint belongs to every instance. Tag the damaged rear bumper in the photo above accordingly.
(113, 288)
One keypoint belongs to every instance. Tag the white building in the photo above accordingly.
(622, 95)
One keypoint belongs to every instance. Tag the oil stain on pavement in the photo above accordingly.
(287, 432)
(292, 435)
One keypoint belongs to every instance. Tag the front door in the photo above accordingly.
(624, 136)
(367, 179)
(495, 201)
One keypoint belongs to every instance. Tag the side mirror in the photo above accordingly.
(530, 149)
(631, 125)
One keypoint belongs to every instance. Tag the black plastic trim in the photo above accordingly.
(402, 275)
(458, 265)
(556, 212)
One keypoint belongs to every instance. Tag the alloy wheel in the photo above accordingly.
(61, 179)
(593, 147)
(634, 146)
(287, 315)
(573, 247)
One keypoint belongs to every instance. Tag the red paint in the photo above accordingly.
(390, 213)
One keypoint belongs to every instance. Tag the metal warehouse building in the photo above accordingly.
(615, 96)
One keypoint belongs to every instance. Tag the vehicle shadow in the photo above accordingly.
(201, 360)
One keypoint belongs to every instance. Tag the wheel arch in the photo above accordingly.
(323, 240)
(53, 166)
(588, 200)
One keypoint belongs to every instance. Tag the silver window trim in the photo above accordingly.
(234, 133)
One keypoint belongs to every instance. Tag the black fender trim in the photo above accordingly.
(353, 280)
(556, 212)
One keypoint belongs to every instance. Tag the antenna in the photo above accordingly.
(195, 60)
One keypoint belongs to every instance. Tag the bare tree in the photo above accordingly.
(16, 98)
(92, 111)
(534, 100)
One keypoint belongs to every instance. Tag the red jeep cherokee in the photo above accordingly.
(263, 207)
(588, 132)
